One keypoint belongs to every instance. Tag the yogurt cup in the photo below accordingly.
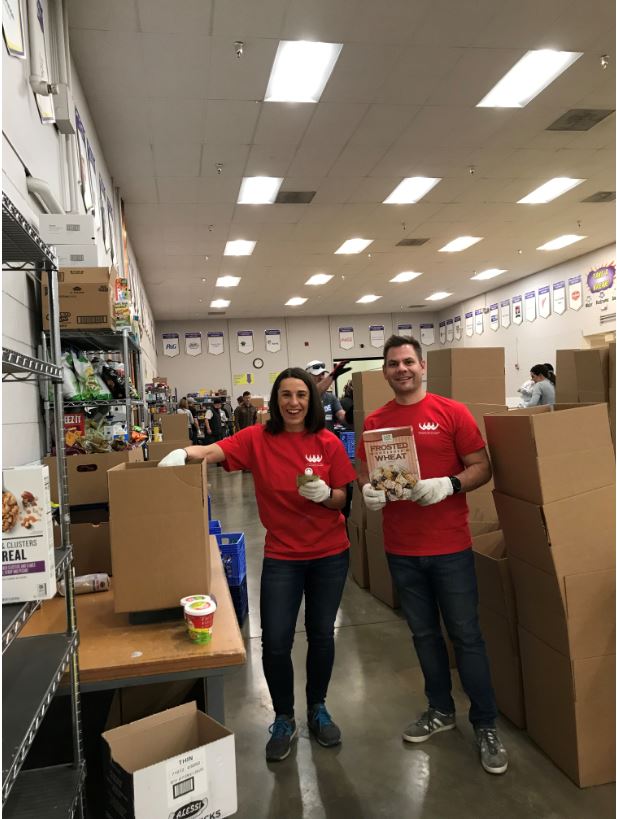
(192, 598)
(199, 616)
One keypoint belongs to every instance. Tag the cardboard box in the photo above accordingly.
(469, 390)
(574, 614)
(78, 255)
(572, 535)
(481, 527)
(478, 412)
(592, 376)
(158, 450)
(370, 391)
(481, 505)
(374, 521)
(358, 558)
(85, 298)
(67, 229)
(28, 564)
(358, 426)
(562, 698)
(503, 654)
(474, 375)
(380, 579)
(257, 402)
(611, 365)
(87, 475)
(358, 510)
(175, 427)
(89, 533)
(159, 534)
(541, 455)
(179, 763)
(566, 388)
(495, 588)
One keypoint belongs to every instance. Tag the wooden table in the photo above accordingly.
(115, 654)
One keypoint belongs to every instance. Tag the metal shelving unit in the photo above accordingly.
(32, 667)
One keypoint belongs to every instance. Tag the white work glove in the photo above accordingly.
(316, 491)
(375, 499)
(431, 490)
(175, 458)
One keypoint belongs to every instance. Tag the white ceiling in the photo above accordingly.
(170, 100)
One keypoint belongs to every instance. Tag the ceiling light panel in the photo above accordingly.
(319, 278)
(259, 190)
(367, 299)
(407, 276)
(301, 70)
(550, 190)
(461, 243)
(239, 247)
(295, 301)
(353, 246)
(561, 241)
(437, 296)
(228, 281)
(488, 274)
(411, 190)
(531, 75)
(220, 303)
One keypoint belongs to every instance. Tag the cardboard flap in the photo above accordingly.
(491, 545)
(571, 430)
(590, 605)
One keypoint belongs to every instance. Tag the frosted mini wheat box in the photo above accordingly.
(392, 461)
(28, 566)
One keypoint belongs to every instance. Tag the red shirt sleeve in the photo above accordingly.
(467, 436)
(239, 449)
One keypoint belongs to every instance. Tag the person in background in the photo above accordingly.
(543, 392)
(306, 550)
(347, 403)
(332, 406)
(245, 414)
(217, 420)
(194, 431)
(183, 408)
(428, 547)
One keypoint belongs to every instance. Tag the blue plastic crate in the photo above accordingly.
(239, 596)
(215, 527)
(233, 553)
(209, 508)
(349, 442)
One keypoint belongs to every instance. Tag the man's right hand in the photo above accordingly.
(375, 499)
(175, 458)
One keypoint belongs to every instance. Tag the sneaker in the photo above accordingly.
(321, 725)
(431, 722)
(493, 755)
(283, 731)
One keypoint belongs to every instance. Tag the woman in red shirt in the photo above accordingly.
(306, 549)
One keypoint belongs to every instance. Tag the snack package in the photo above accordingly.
(392, 461)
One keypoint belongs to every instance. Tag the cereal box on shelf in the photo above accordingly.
(392, 461)
(28, 566)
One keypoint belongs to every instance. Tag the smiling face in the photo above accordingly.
(403, 371)
(293, 401)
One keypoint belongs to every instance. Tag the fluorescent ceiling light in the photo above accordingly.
(220, 303)
(319, 278)
(531, 74)
(462, 243)
(550, 190)
(354, 246)
(295, 301)
(561, 241)
(488, 274)
(301, 70)
(367, 299)
(437, 296)
(228, 281)
(259, 190)
(239, 247)
(411, 190)
(406, 276)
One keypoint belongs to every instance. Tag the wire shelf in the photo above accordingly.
(14, 363)
(21, 243)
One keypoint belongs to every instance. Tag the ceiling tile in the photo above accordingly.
(177, 158)
(179, 17)
(282, 122)
(139, 189)
(243, 19)
(177, 119)
(176, 65)
(110, 60)
(231, 122)
(113, 15)
(244, 79)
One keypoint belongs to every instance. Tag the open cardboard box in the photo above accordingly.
(358, 558)
(87, 475)
(495, 588)
(176, 764)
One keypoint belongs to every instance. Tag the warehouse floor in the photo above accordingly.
(376, 689)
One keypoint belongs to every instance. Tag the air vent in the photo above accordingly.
(411, 242)
(580, 119)
(601, 196)
(607, 318)
(216, 313)
(294, 197)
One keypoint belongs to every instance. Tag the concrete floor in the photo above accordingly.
(376, 689)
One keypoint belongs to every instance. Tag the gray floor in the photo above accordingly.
(376, 689)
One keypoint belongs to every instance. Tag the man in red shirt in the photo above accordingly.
(428, 546)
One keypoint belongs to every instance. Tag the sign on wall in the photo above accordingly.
(494, 316)
(92, 178)
(345, 338)
(530, 305)
(192, 343)
(469, 323)
(479, 321)
(505, 313)
(82, 151)
(449, 329)
(171, 344)
(517, 310)
(575, 293)
(544, 301)
(377, 335)
(242, 379)
(404, 329)
(245, 341)
(216, 343)
(13, 29)
(458, 329)
(601, 278)
(559, 297)
(273, 341)
(442, 332)
(427, 334)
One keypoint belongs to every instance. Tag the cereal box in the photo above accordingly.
(392, 461)
(28, 565)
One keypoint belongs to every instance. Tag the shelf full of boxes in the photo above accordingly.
(33, 667)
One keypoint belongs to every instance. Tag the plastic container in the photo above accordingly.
(199, 616)
(348, 440)
(215, 526)
(233, 553)
(239, 596)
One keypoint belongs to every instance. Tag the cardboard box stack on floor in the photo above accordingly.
(611, 389)
(498, 621)
(370, 391)
(159, 535)
(482, 513)
(554, 473)
(473, 375)
(583, 376)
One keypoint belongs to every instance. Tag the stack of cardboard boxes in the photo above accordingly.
(554, 474)
(174, 429)
(582, 376)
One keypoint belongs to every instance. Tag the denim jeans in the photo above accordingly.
(446, 583)
(283, 582)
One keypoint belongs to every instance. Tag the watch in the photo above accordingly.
(258, 363)
(456, 484)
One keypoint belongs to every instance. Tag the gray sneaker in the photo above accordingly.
(322, 726)
(431, 722)
(283, 731)
(493, 755)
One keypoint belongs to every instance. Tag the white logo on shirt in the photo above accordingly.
(429, 426)
(313, 459)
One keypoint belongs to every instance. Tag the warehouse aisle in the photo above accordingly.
(376, 689)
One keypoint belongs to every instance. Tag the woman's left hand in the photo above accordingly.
(316, 491)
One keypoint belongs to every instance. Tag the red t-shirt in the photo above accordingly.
(444, 430)
(296, 528)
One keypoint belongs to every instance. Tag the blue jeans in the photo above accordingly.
(446, 583)
(283, 582)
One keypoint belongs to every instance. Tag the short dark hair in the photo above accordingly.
(217, 400)
(401, 341)
(315, 419)
(245, 393)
